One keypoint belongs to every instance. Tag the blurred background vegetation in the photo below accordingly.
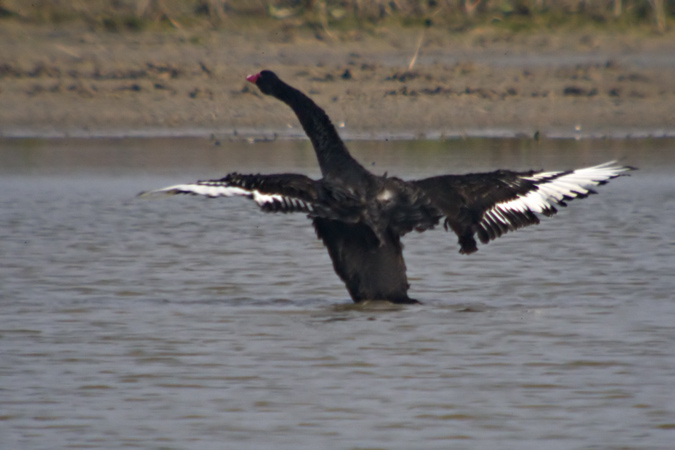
(456, 15)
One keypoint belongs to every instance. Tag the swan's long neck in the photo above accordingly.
(334, 159)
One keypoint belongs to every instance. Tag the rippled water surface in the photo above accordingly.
(188, 323)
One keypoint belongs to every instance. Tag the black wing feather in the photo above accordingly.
(490, 204)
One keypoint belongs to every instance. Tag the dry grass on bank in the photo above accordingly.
(455, 14)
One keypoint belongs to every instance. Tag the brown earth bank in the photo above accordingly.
(72, 81)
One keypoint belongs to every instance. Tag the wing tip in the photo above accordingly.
(157, 193)
(617, 168)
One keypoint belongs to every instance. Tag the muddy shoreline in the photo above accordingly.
(73, 82)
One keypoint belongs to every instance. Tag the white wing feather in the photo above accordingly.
(555, 188)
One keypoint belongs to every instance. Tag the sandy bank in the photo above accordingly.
(56, 82)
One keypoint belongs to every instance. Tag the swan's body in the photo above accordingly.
(361, 217)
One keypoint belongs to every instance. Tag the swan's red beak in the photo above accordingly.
(253, 78)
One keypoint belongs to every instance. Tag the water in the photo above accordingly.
(188, 323)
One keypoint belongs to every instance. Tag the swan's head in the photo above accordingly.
(267, 81)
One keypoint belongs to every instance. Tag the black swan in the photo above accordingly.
(360, 217)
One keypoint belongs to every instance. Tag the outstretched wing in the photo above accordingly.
(273, 193)
(491, 204)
